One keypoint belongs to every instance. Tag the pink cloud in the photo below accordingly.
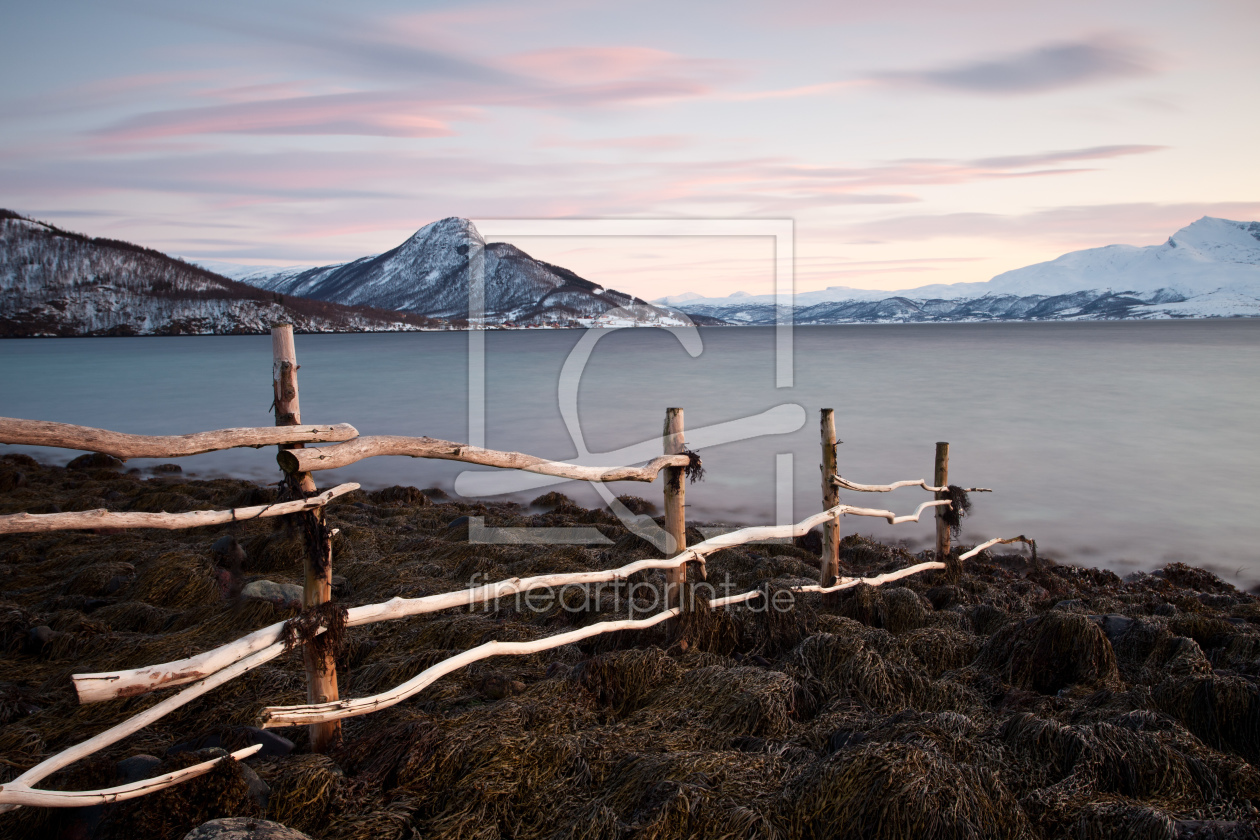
(363, 114)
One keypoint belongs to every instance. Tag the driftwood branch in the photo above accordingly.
(26, 523)
(888, 488)
(1020, 539)
(135, 723)
(93, 688)
(274, 716)
(16, 794)
(67, 436)
(342, 454)
(877, 580)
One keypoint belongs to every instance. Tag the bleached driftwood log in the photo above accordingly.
(28, 523)
(1020, 539)
(68, 436)
(877, 580)
(93, 688)
(734, 599)
(339, 455)
(16, 794)
(137, 722)
(888, 488)
(274, 716)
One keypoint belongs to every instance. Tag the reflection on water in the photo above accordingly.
(1121, 444)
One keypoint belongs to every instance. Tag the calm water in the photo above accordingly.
(1126, 445)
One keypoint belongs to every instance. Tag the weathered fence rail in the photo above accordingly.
(373, 446)
(27, 523)
(120, 445)
(205, 671)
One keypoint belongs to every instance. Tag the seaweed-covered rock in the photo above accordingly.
(1223, 711)
(95, 461)
(398, 495)
(891, 791)
(638, 505)
(1147, 652)
(739, 701)
(623, 680)
(222, 792)
(1050, 652)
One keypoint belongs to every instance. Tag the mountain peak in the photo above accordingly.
(429, 275)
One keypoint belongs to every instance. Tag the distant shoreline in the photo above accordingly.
(496, 328)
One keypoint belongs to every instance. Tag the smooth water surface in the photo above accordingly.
(1126, 444)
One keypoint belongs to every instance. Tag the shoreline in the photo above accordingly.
(1023, 700)
(795, 326)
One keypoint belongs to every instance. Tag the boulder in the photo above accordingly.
(259, 791)
(1115, 625)
(243, 828)
(276, 593)
(228, 552)
(137, 767)
(497, 686)
(340, 588)
(95, 461)
(400, 496)
(37, 638)
(272, 744)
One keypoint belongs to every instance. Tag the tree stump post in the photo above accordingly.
(321, 668)
(941, 479)
(829, 568)
(675, 496)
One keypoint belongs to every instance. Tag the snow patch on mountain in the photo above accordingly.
(1210, 268)
(57, 283)
(429, 275)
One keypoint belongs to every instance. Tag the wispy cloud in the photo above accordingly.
(1065, 156)
(553, 79)
(559, 186)
(1041, 69)
(386, 115)
(1076, 226)
(645, 143)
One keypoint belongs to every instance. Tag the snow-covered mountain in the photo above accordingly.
(429, 275)
(57, 283)
(1210, 268)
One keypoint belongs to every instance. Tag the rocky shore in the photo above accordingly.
(1023, 700)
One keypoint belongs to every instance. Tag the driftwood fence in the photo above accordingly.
(324, 709)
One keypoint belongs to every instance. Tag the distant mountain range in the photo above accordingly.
(429, 275)
(57, 283)
(1209, 269)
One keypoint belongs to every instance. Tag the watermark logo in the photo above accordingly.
(619, 597)
(784, 418)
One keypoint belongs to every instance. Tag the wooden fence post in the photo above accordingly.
(321, 668)
(941, 479)
(829, 568)
(675, 495)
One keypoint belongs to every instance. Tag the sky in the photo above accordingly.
(912, 142)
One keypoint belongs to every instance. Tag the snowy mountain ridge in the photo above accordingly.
(57, 283)
(1210, 268)
(429, 275)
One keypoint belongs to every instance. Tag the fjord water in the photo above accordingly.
(1123, 444)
